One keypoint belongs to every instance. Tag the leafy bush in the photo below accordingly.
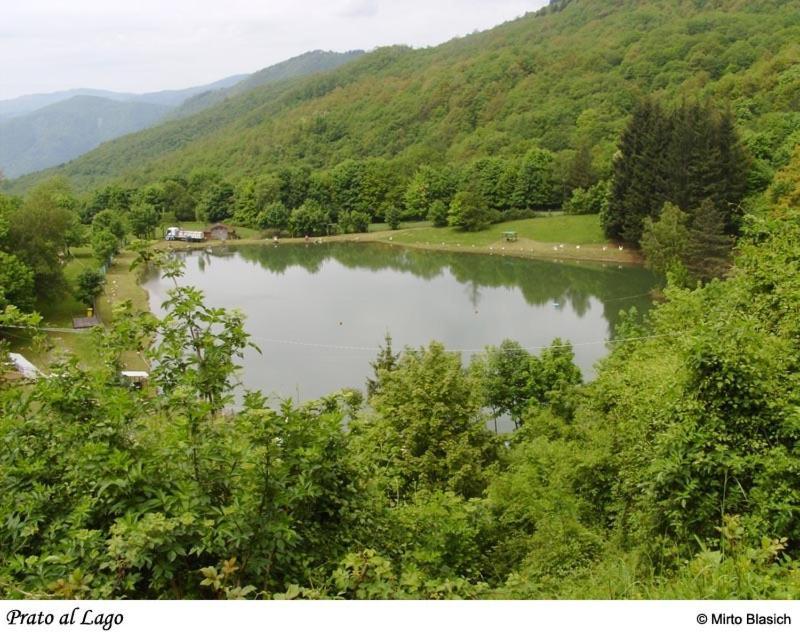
(353, 222)
(310, 220)
(589, 201)
(275, 216)
(392, 217)
(16, 283)
(89, 285)
(438, 214)
(105, 246)
(469, 211)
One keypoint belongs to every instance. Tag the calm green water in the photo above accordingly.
(320, 312)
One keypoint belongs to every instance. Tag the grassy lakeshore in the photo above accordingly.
(573, 237)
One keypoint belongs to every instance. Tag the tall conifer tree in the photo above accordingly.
(580, 173)
(709, 247)
(635, 173)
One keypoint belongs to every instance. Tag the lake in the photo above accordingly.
(319, 313)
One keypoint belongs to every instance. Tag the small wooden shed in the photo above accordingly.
(80, 323)
(220, 231)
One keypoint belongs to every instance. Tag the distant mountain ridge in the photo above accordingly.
(47, 129)
(18, 106)
(59, 132)
(26, 104)
(44, 130)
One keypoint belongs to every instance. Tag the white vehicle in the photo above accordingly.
(24, 367)
(135, 378)
(192, 235)
(178, 234)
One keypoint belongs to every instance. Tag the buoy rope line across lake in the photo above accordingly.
(331, 346)
(643, 294)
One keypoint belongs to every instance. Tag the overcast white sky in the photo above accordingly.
(149, 45)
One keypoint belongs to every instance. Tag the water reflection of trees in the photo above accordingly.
(540, 282)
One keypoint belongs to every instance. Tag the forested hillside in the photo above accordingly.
(560, 80)
(302, 65)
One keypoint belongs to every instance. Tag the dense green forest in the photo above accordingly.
(673, 474)
(690, 156)
(558, 80)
